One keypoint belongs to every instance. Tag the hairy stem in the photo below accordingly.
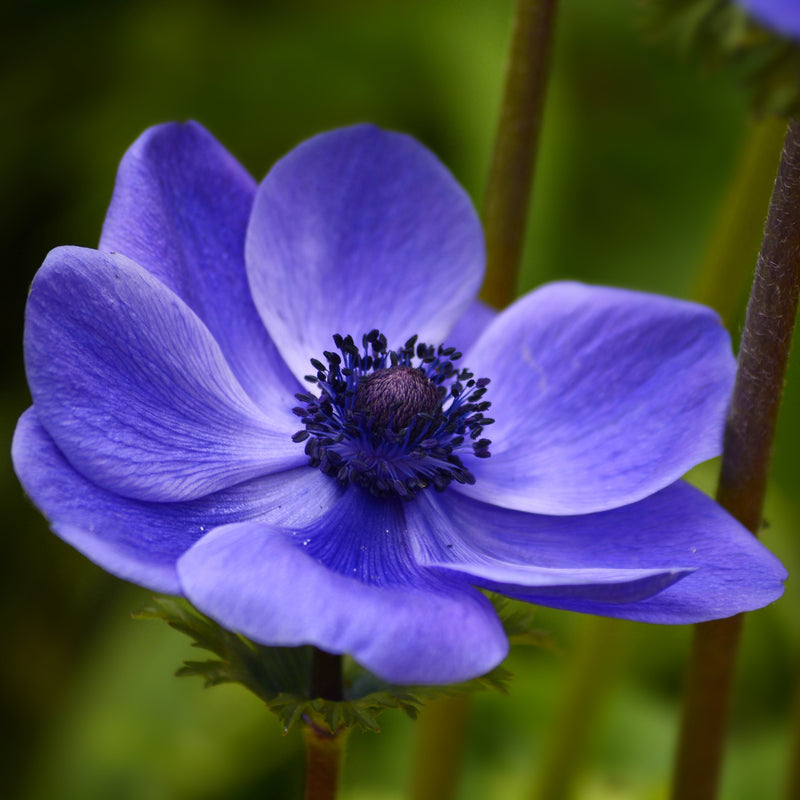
(324, 751)
(508, 189)
(793, 778)
(735, 237)
(732, 246)
(326, 675)
(764, 349)
(763, 355)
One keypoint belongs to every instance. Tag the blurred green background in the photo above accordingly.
(637, 154)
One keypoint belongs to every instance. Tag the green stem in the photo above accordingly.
(793, 784)
(721, 284)
(736, 234)
(439, 750)
(508, 189)
(326, 675)
(599, 645)
(764, 349)
(324, 751)
(763, 355)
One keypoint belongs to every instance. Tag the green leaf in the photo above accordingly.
(280, 675)
(518, 623)
(722, 36)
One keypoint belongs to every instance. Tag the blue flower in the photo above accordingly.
(174, 439)
(782, 16)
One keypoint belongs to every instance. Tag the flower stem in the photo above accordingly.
(326, 675)
(793, 780)
(510, 180)
(728, 261)
(763, 355)
(324, 751)
(733, 243)
(439, 749)
(597, 652)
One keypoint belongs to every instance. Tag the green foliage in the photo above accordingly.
(279, 675)
(267, 672)
(722, 36)
(518, 622)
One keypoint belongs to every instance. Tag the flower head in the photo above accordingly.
(285, 403)
(782, 16)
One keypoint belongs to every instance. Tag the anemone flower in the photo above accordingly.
(782, 16)
(255, 397)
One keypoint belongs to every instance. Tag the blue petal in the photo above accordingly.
(180, 209)
(601, 397)
(781, 15)
(134, 390)
(345, 584)
(360, 229)
(141, 541)
(676, 533)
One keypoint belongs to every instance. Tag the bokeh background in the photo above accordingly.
(639, 150)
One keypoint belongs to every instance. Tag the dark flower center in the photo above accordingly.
(394, 396)
(393, 421)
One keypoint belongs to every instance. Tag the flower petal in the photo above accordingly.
(601, 397)
(678, 532)
(140, 541)
(133, 388)
(180, 209)
(291, 586)
(360, 229)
